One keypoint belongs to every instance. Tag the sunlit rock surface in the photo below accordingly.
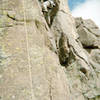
(41, 61)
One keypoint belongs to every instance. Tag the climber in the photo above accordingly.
(49, 4)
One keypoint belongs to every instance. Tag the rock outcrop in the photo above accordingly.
(47, 55)
(86, 88)
(89, 33)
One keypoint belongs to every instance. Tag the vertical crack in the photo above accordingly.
(50, 90)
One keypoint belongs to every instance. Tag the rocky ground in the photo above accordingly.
(47, 55)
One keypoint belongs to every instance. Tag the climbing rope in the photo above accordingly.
(27, 46)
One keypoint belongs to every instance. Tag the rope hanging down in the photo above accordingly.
(28, 55)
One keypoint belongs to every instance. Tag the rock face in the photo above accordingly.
(59, 60)
(33, 71)
(89, 33)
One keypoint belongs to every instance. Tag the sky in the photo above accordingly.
(87, 9)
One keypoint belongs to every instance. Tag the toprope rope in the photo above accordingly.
(28, 55)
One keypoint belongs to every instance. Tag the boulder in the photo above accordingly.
(89, 33)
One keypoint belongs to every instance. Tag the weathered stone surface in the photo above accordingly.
(80, 85)
(32, 53)
(96, 55)
(33, 72)
(89, 33)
